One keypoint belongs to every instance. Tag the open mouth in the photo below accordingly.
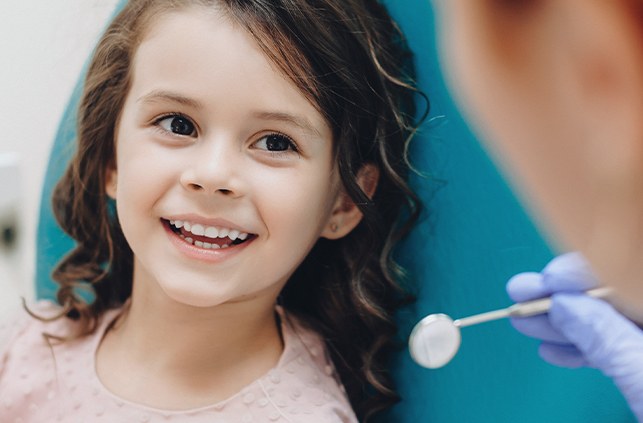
(207, 237)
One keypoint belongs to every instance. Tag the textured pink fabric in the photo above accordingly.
(59, 384)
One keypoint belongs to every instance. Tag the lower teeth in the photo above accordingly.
(205, 245)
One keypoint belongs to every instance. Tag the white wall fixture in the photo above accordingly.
(9, 198)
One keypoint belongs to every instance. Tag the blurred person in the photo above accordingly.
(555, 90)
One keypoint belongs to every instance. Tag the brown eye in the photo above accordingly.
(275, 142)
(179, 125)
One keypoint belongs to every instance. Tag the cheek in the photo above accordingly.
(144, 177)
(300, 199)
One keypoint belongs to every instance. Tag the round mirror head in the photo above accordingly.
(434, 341)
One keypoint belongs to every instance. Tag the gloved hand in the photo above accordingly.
(580, 330)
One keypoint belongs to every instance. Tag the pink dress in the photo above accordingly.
(42, 384)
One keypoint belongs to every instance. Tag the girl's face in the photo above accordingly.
(224, 174)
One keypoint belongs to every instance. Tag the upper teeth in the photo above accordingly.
(209, 231)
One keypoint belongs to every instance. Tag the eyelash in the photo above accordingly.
(292, 145)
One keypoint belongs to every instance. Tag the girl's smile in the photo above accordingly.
(212, 241)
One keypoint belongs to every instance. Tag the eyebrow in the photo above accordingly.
(298, 121)
(161, 95)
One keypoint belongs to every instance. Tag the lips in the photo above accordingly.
(207, 237)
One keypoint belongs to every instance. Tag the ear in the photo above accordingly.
(345, 215)
(110, 181)
(566, 83)
(604, 80)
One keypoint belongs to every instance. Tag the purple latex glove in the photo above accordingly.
(580, 330)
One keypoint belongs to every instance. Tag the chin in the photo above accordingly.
(195, 299)
(191, 294)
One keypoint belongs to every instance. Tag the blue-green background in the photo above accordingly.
(473, 238)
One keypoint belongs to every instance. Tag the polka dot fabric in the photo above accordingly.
(43, 383)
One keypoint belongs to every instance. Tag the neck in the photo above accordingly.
(205, 354)
(184, 332)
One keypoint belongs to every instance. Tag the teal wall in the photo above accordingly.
(474, 237)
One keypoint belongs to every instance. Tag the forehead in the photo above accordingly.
(195, 35)
(205, 54)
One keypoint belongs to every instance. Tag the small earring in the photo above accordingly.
(334, 227)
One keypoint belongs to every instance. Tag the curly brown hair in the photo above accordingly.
(349, 58)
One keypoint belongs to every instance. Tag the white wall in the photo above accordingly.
(43, 46)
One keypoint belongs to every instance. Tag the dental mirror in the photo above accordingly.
(436, 338)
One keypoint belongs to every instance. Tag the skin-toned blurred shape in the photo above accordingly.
(555, 90)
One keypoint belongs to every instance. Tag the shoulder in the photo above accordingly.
(30, 360)
(22, 344)
(305, 384)
(17, 320)
(22, 329)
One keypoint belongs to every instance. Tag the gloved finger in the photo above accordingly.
(562, 355)
(526, 286)
(539, 327)
(607, 339)
(568, 272)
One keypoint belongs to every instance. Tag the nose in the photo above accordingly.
(211, 169)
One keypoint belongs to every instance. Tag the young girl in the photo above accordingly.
(235, 198)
